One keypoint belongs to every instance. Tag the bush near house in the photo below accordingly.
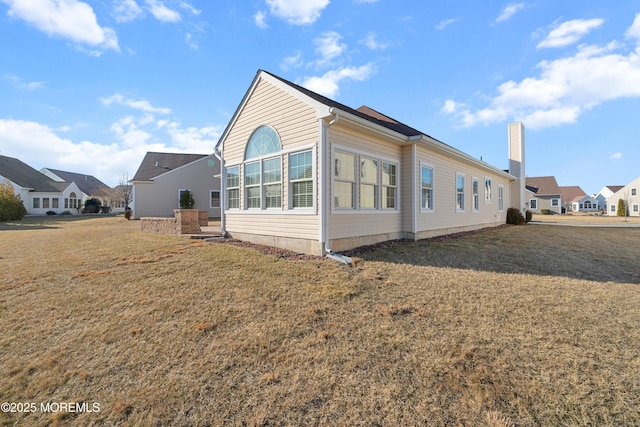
(186, 200)
(622, 210)
(514, 217)
(92, 206)
(11, 207)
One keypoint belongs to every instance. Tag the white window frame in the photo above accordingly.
(500, 198)
(359, 156)
(634, 192)
(460, 202)
(364, 184)
(431, 208)
(488, 190)
(533, 204)
(475, 194)
(237, 187)
(211, 193)
(301, 180)
(393, 186)
(555, 203)
(344, 180)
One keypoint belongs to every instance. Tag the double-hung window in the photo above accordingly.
(487, 190)
(233, 187)
(272, 178)
(368, 183)
(475, 190)
(344, 180)
(500, 198)
(426, 184)
(301, 179)
(460, 193)
(389, 185)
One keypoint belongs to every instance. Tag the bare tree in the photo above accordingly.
(125, 191)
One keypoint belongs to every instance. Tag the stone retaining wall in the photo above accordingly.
(185, 221)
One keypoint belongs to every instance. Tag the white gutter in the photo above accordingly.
(223, 192)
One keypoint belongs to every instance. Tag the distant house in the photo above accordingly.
(39, 193)
(162, 177)
(307, 173)
(606, 192)
(569, 194)
(630, 194)
(547, 197)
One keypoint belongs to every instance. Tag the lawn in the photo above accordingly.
(533, 325)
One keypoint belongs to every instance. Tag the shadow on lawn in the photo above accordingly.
(597, 254)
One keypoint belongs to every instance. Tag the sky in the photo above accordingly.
(91, 86)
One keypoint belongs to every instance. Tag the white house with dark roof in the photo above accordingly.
(307, 173)
(162, 177)
(39, 193)
(630, 194)
(606, 192)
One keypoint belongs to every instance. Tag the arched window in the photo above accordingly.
(264, 141)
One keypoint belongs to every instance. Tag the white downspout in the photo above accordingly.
(324, 179)
(223, 192)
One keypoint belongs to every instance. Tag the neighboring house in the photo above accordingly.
(630, 193)
(547, 195)
(606, 192)
(39, 193)
(162, 177)
(574, 199)
(306, 173)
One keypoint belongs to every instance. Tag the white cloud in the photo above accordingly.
(328, 47)
(22, 85)
(188, 7)
(127, 10)
(188, 39)
(327, 84)
(141, 105)
(371, 42)
(562, 91)
(634, 31)
(616, 156)
(293, 61)
(509, 11)
(260, 19)
(297, 12)
(161, 12)
(70, 19)
(445, 23)
(192, 139)
(569, 32)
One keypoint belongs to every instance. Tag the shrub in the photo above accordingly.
(92, 206)
(545, 211)
(51, 213)
(186, 200)
(528, 216)
(622, 210)
(127, 214)
(11, 207)
(66, 213)
(514, 217)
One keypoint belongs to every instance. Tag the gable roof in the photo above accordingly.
(324, 108)
(155, 164)
(88, 184)
(571, 193)
(546, 185)
(614, 188)
(27, 177)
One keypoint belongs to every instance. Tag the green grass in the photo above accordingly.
(527, 326)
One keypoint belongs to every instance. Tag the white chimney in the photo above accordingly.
(516, 166)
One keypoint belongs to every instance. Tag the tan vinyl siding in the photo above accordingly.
(444, 215)
(295, 226)
(294, 121)
(409, 185)
(354, 223)
(297, 126)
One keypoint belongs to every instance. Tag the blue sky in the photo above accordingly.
(91, 86)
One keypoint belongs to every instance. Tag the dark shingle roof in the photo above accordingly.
(88, 184)
(363, 112)
(155, 164)
(27, 177)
